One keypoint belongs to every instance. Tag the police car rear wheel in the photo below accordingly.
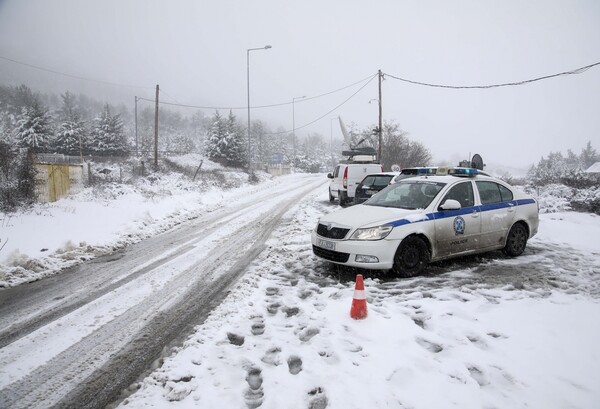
(411, 257)
(516, 240)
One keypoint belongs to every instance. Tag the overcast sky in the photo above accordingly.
(196, 50)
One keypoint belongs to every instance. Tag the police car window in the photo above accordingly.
(506, 194)
(406, 195)
(463, 193)
(489, 192)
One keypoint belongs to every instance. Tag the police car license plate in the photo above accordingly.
(329, 245)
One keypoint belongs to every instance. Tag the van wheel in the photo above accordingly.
(411, 257)
(343, 200)
(516, 240)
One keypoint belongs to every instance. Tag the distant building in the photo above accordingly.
(594, 171)
(595, 168)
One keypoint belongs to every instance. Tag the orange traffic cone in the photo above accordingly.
(358, 311)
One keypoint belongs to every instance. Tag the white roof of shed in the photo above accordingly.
(595, 168)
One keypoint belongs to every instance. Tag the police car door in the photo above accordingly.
(457, 231)
(497, 213)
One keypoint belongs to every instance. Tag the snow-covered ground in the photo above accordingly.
(284, 337)
(472, 334)
(99, 220)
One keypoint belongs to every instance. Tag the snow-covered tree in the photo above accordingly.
(107, 137)
(71, 130)
(235, 149)
(34, 129)
(589, 156)
(182, 143)
(225, 142)
(215, 143)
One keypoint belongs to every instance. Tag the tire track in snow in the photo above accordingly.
(25, 308)
(93, 371)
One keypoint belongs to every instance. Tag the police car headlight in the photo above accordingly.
(372, 233)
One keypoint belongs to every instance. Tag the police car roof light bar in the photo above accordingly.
(468, 172)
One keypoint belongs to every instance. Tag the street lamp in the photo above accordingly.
(266, 47)
(294, 126)
(331, 140)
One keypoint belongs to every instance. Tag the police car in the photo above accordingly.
(454, 212)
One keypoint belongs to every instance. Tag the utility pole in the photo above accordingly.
(156, 131)
(380, 75)
(136, 129)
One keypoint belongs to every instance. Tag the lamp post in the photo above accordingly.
(266, 47)
(294, 126)
(331, 140)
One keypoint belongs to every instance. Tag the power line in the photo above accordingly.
(260, 106)
(328, 112)
(572, 72)
(70, 75)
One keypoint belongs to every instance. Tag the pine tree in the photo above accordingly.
(235, 154)
(588, 156)
(71, 131)
(107, 135)
(34, 127)
(215, 146)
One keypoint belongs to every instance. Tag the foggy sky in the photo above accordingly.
(196, 51)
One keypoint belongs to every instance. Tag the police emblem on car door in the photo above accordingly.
(458, 231)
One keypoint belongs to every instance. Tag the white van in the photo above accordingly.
(345, 178)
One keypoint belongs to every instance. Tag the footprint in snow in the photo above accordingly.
(271, 357)
(290, 311)
(294, 364)
(477, 341)
(273, 308)
(258, 325)
(430, 346)
(318, 399)
(307, 333)
(254, 395)
(478, 375)
(235, 339)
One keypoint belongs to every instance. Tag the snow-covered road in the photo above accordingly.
(84, 337)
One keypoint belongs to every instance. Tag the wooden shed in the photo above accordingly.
(57, 176)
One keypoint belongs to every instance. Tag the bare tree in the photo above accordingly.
(397, 148)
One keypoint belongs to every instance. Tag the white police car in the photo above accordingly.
(428, 218)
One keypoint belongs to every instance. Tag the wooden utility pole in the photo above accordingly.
(380, 75)
(156, 130)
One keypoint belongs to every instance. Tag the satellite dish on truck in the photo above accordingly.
(344, 132)
(356, 154)
(477, 162)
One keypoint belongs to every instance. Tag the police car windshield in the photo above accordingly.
(407, 195)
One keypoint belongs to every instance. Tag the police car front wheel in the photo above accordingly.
(411, 257)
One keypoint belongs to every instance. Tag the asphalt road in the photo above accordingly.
(100, 326)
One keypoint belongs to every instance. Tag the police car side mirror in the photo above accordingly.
(330, 176)
(450, 204)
